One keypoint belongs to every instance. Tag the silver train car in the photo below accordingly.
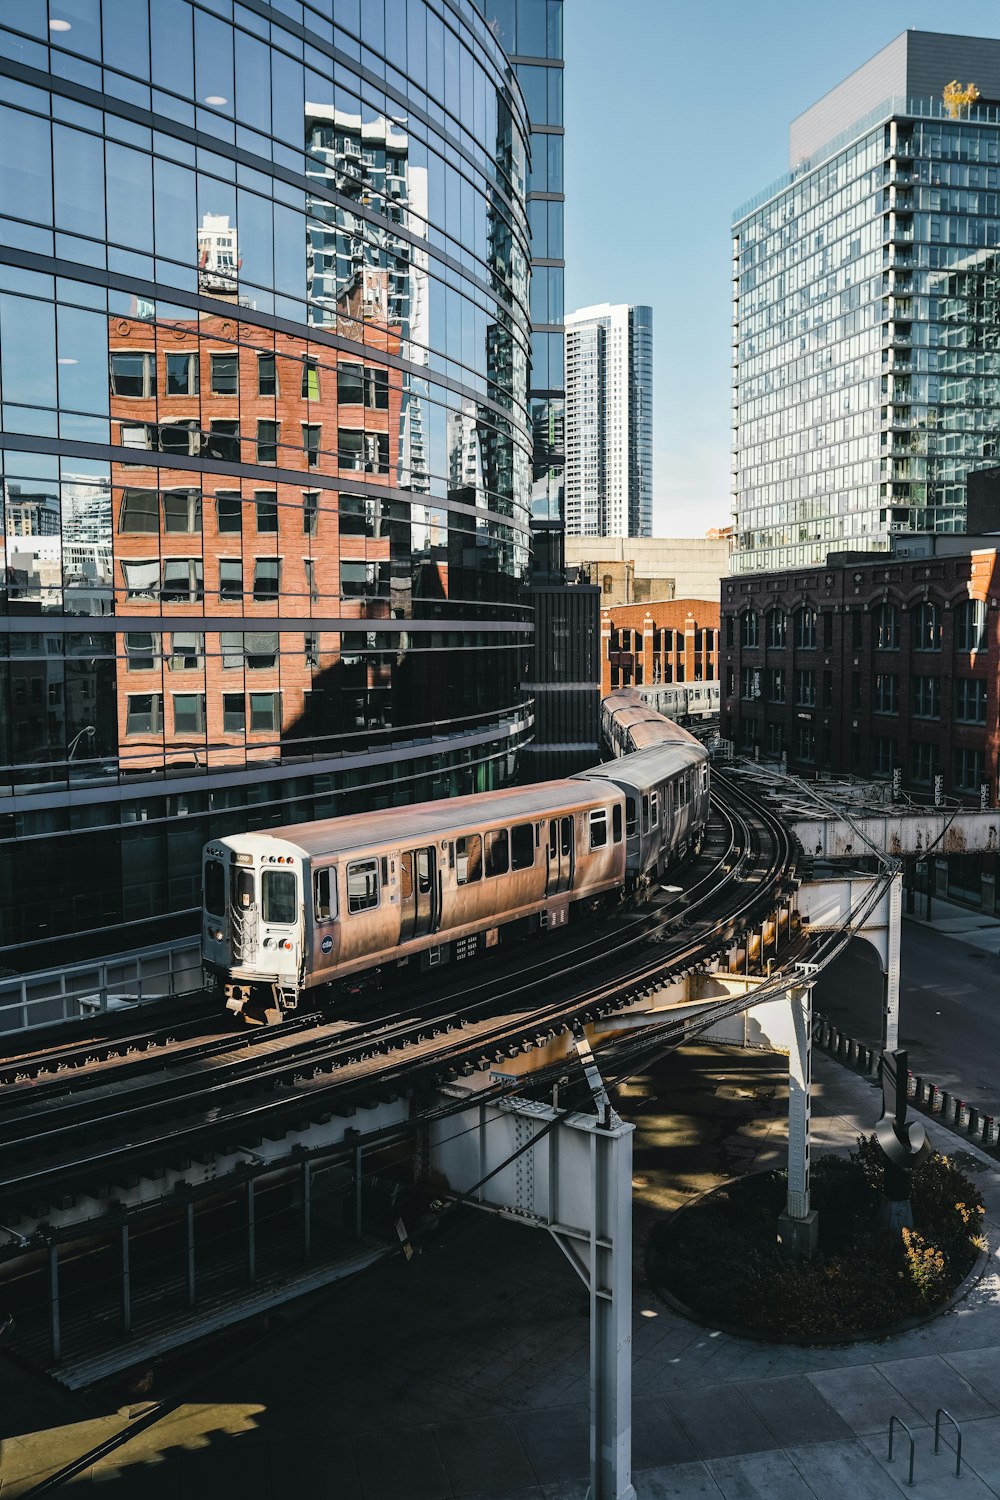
(291, 910)
(288, 910)
(683, 701)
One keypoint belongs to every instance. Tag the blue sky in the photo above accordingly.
(676, 113)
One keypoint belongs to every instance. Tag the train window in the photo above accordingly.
(362, 885)
(497, 854)
(215, 887)
(565, 837)
(598, 828)
(631, 817)
(468, 859)
(278, 897)
(325, 895)
(522, 846)
(704, 778)
(424, 874)
(654, 809)
(645, 813)
(616, 822)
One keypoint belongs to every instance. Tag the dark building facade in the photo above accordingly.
(566, 685)
(877, 666)
(266, 450)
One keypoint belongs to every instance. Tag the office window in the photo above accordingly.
(267, 375)
(230, 579)
(805, 629)
(350, 383)
(144, 713)
(225, 374)
(182, 511)
(182, 374)
(224, 441)
(133, 373)
(886, 693)
(806, 742)
(266, 577)
(266, 502)
(970, 700)
(142, 650)
(142, 579)
(183, 581)
(268, 436)
(362, 515)
(777, 628)
(969, 770)
(927, 628)
(140, 512)
(311, 436)
(229, 511)
(189, 713)
(749, 682)
(970, 626)
(265, 711)
(923, 762)
(775, 739)
(138, 435)
(310, 645)
(234, 713)
(366, 452)
(776, 684)
(356, 578)
(926, 698)
(261, 650)
(310, 380)
(310, 571)
(886, 628)
(187, 651)
(181, 437)
(310, 512)
(805, 688)
(883, 755)
(750, 628)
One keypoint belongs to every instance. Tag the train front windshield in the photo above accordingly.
(215, 888)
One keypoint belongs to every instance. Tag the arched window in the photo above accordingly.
(777, 628)
(750, 628)
(927, 628)
(805, 629)
(886, 635)
(970, 625)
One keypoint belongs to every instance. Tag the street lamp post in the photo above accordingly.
(89, 730)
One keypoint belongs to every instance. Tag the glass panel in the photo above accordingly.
(362, 885)
(468, 859)
(278, 897)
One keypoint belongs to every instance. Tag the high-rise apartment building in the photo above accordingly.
(865, 318)
(609, 421)
(266, 447)
(531, 32)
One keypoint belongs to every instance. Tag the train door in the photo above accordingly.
(559, 873)
(243, 911)
(418, 893)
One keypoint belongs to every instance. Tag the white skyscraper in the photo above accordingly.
(609, 421)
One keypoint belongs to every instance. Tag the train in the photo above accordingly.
(291, 912)
(682, 701)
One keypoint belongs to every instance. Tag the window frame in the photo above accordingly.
(356, 904)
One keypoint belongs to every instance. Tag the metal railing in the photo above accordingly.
(47, 997)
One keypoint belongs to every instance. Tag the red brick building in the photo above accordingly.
(873, 664)
(665, 641)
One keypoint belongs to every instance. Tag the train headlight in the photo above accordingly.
(216, 935)
(269, 942)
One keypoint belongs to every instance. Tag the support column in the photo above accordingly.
(189, 1245)
(126, 1281)
(306, 1209)
(797, 1226)
(611, 1317)
(55, 1334)
(251, 1231)
(890, 980)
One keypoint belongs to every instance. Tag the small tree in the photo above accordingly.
(958, 97)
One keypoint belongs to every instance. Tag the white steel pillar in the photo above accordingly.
(572, 1175)
(797, 1227)
(890, 981)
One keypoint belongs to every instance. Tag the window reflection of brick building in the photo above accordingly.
(262, 551)
(670, 641)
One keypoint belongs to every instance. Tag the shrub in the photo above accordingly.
(926, 1266)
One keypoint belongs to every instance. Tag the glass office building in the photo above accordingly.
(531, 31)
(866, 292)
(266, 440)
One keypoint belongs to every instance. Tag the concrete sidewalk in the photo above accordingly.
(465, 1372)
(977, 928)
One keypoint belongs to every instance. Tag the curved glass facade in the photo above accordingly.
(264, 344)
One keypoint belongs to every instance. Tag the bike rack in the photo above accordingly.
(937, 1436)
(892, 1422)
